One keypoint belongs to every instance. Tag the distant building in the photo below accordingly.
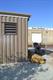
(40, 35)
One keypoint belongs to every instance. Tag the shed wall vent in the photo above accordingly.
(10, 28)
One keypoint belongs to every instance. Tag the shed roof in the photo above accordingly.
(15, 14)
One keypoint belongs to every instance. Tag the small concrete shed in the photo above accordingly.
(13, 37)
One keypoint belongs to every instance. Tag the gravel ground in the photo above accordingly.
(27, 71)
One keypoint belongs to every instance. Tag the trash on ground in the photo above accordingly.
(38, 59)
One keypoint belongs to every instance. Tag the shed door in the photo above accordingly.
(10, 36)
(36, 37)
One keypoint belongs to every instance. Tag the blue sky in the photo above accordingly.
(41, 10)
